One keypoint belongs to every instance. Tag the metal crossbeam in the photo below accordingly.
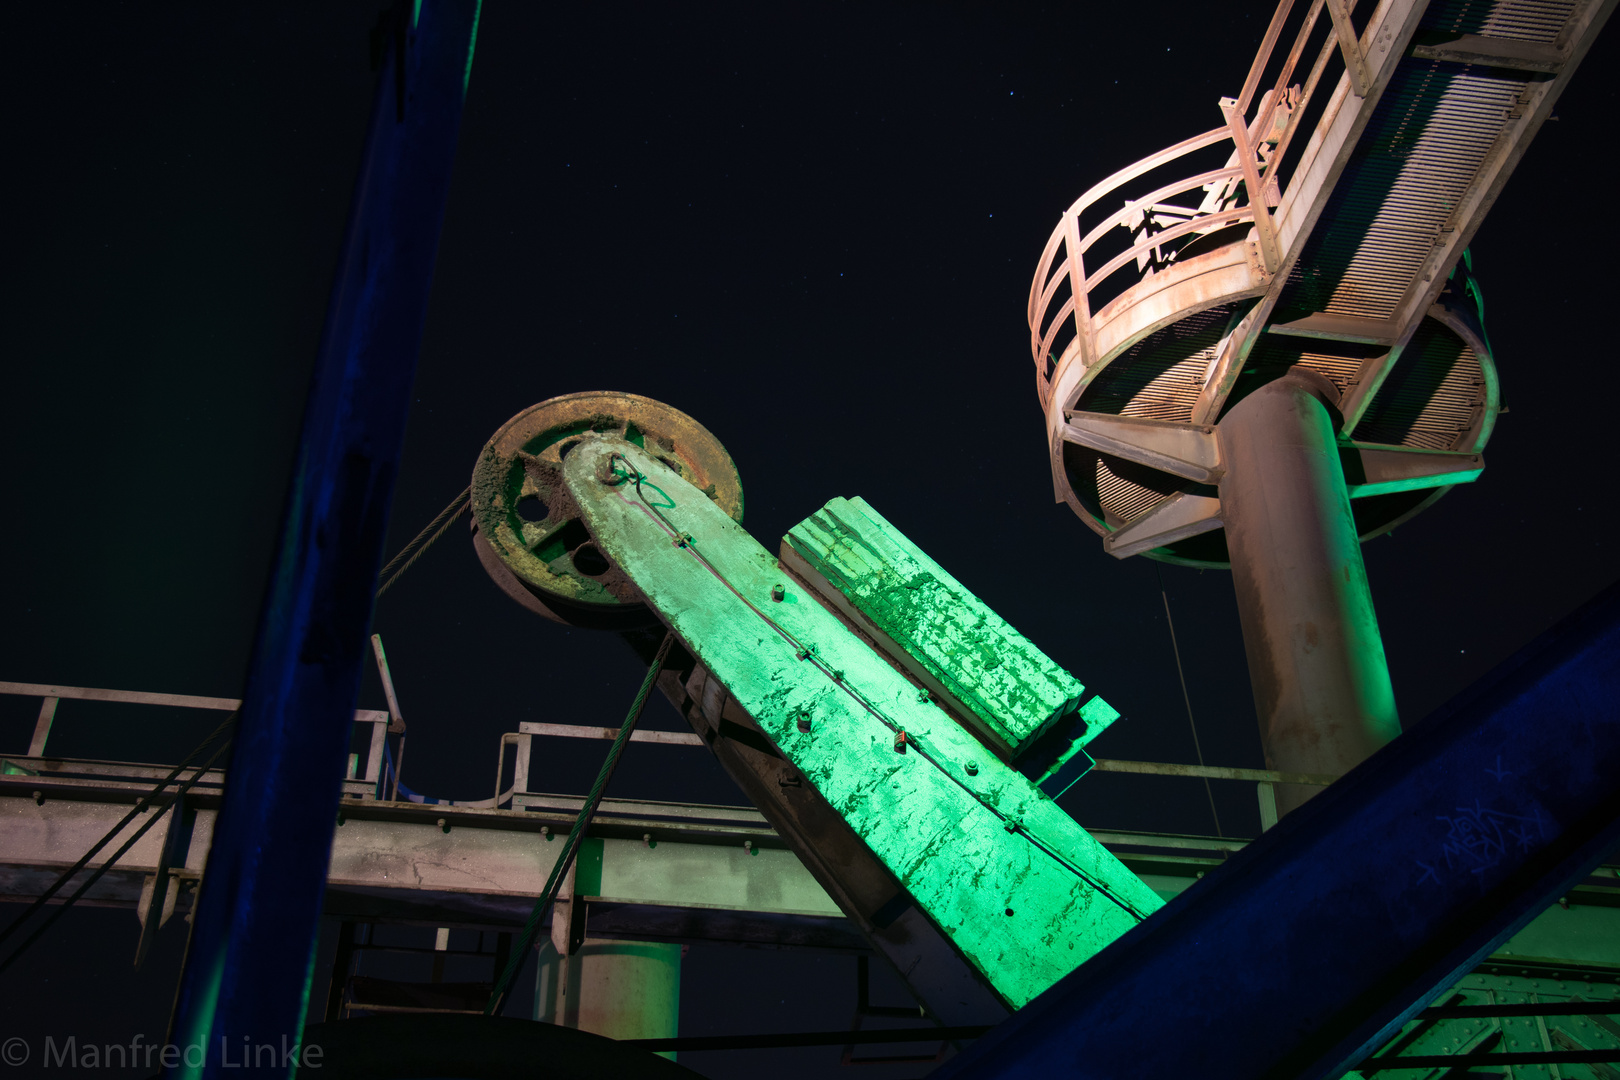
(1404, 873)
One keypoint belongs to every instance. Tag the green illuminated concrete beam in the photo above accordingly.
(1022, 892)
(965, 654)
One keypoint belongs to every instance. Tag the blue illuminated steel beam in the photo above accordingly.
(1310, 948)
(246, 978)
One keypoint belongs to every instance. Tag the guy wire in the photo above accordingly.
(1197, 749)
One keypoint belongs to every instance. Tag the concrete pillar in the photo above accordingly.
(621, 989)
(1316, 661)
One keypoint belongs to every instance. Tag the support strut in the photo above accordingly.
(1316, 943)
(248, 970)
(1316, 661)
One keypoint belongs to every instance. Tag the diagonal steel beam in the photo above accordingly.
(1310, 948)
(248, 969)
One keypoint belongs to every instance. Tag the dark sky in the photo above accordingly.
(810, 226)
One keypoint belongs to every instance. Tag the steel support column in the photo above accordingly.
(1314, 944)
(247, 973)
(621, 989)
(1316, 662)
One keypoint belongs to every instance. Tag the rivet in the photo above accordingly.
(748, 846)
(648, 841)
(444, 826)
(39, 798)
(545, 831)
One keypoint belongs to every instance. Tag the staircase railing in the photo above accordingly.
(1260, 128)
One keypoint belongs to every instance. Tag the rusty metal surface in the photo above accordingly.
(1332, 241)
(527, 530)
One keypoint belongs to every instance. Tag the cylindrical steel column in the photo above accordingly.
(621, 989)
(1321, 686)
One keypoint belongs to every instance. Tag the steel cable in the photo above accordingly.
(413, 550)
(1186, 697)
(138, 808)
(565, 857)
(84, 887)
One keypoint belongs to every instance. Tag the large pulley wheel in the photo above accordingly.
(528, 531)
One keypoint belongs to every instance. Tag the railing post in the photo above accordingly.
(42, 727)
(1268, 805)
(520, 764)
(1263, 224)
(374, 757)
(1077, 287)
(1355, 62)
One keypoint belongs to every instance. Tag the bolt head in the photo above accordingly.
(971, 768)
(777, 593)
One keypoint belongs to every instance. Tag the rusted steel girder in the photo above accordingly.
(1312, 946)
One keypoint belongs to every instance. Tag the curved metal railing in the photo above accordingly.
(1259, 144)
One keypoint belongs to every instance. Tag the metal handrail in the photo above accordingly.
(1063, 259)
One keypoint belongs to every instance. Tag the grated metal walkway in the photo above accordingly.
(1381, 134)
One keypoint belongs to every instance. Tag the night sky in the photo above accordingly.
(811, 227)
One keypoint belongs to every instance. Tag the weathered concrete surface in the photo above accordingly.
(968, 846)
(988, 672)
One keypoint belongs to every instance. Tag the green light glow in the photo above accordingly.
(472, 44)
(924, 618)
(1023, 892)
(1414, 483)
(203, 1026)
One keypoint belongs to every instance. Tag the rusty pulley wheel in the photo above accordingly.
(527, 529)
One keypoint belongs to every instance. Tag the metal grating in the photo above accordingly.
(1158, 378)
(1338, 370)
(1123, 499)
(1433, 397)
(1522, 20)
(1275, 354)
(1426, 142)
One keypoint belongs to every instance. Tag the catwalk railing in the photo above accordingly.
(372, 773)
(1162, 227)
